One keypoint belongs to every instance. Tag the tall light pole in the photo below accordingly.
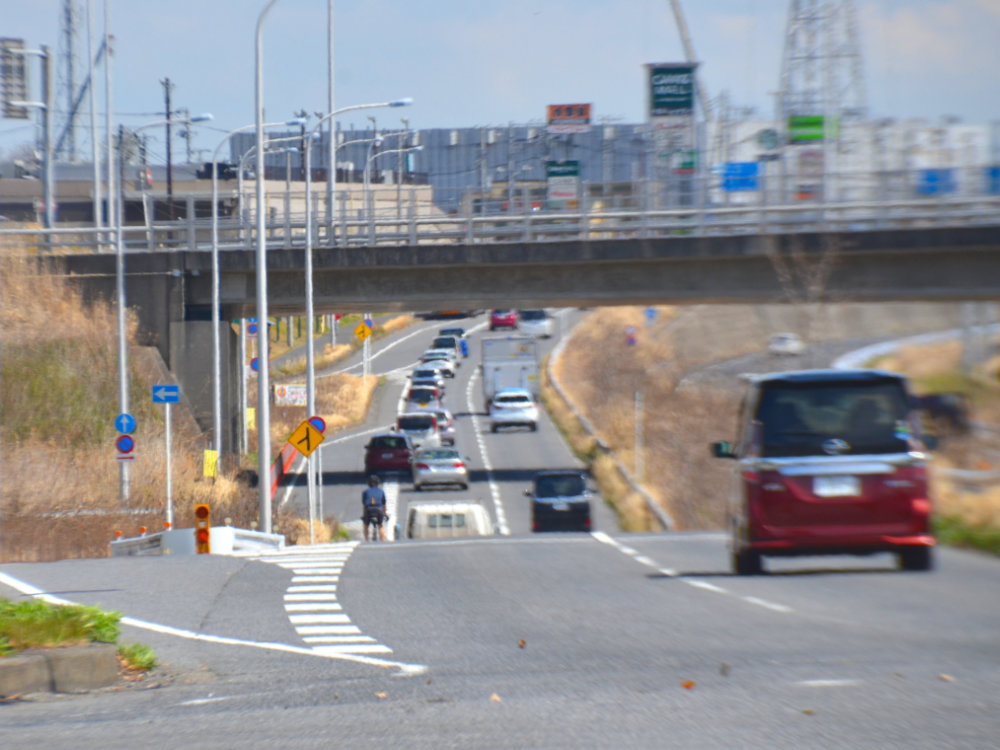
(47, 106)
(310, 312)
(263, 376)
(216, 343)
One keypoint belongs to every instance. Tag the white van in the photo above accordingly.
(447, 520)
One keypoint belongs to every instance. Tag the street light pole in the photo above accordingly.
(216, 344)
(263, 379)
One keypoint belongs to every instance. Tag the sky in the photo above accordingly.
(472, 63)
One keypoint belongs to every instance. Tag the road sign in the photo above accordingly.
(363, 331)
(254, 364)
(252, 329)
(125, 444)
(306, 438)
(318, 422)
(166, 394)
(125, 423)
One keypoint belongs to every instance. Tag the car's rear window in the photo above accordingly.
(445, 342)
(513, 400)
(416, 423)
(798, 418)
(388, 443)
(437, 454)
(421, 394)
(559, 486)
(533, 315)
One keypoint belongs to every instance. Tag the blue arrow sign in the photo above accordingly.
(125, 423)
(166, 394)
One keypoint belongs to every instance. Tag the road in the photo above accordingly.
(558, 640)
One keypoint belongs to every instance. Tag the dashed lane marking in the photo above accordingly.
(693, 582)
(498, 509)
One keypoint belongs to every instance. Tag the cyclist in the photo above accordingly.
(373, 502)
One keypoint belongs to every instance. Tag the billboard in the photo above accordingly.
(671, 89)
(568, 118)
(563, 180)
(13, 78)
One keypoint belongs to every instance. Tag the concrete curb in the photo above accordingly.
(70, 669)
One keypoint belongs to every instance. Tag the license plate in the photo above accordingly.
(837, 486)
(386, 455)
(560, 506)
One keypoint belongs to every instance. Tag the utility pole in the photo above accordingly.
(167, 86)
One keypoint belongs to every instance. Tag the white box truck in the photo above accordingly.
(510, 362)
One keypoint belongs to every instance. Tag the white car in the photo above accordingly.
(513, 407)
(785, 344)
(534, 323)
(448, 354)
(445, 366)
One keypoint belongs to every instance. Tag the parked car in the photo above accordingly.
(436, 465)
(513, 407)
(440, 520)
(388, 453)
(535, 323)
(828, 462)
(446, 426)
(787, 344)
(560, 501)
(422, 399)
(503, 319)
(420, 427)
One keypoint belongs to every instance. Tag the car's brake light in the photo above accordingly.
(458, 465)
(423, 466)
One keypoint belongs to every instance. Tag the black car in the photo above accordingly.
(560, 501)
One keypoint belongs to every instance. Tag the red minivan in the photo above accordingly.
(828, 462)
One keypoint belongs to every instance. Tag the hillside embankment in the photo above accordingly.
(601, 372)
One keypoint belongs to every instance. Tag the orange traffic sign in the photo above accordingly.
(363, 330)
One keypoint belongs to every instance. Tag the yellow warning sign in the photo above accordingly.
(363, 330)
(306, 438)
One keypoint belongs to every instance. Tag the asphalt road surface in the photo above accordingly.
(526, 640)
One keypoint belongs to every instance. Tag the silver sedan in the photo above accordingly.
(439, 466)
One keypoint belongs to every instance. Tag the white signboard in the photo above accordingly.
(290, 395)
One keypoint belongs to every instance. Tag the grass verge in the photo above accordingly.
(34, 623)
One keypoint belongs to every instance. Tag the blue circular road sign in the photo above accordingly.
(125, 423)
(254, 364)
(124, 444)
(252, 329)
(318, 422)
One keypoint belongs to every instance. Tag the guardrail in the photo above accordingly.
(224, 540)
(588, 223)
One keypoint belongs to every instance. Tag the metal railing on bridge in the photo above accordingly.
(390, 217)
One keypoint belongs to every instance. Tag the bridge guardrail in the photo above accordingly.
(589, 223)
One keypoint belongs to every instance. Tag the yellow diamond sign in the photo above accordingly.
(306, 438)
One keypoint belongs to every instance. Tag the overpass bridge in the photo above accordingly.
(945, 250)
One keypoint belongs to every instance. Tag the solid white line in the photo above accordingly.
(313, 607)
(645, 561)
(203, 701)
(359, 648)
(319, 619)
(328, 630)
(308, 571)
(310, 597)
(498, 508)
(830, 683)
(405, 669)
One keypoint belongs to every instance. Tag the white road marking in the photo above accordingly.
(311, 596)
(498, 509)
(694, 582)
(312, 589)
(830, 683)
(315, 579)
(404, 669)
(313, 607)
(203, 701)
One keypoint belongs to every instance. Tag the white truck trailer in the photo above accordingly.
(510, 362)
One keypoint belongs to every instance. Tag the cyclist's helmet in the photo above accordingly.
(373, 480)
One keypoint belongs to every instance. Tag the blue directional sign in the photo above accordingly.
(739, 176)
(125, 423)
(166, 394)
(125, 444)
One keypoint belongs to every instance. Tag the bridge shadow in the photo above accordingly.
(360, 478)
